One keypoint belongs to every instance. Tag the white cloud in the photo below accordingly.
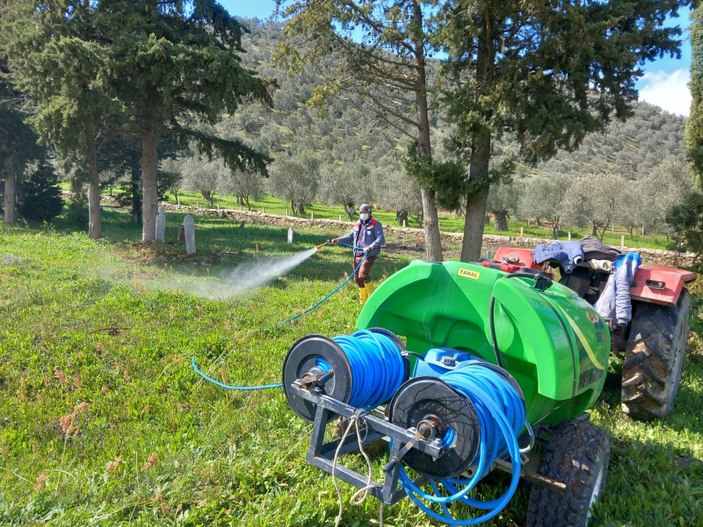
(667, 90)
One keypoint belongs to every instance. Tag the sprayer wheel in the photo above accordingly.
(577, 454)
(654, 359)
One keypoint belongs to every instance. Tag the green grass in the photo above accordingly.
(103, 422)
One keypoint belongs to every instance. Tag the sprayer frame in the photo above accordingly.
(322, 455)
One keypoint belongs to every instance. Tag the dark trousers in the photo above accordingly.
(361, 276)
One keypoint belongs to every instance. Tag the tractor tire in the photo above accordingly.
(577, 455)
(654, 358)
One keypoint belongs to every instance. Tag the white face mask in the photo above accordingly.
(364, 216)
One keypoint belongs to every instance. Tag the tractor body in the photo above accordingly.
(653, 345)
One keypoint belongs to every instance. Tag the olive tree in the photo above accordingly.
(295, 179)
(543, 196)
(595, 200)
(346, 185)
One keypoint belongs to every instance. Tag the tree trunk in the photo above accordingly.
(476, 201)
(430, 221)
(501, 220)
(150, 143)
(94, 221)
(10, 200)
(594, 229)
(401, 217)
(473, 226)
(136, 196)
(480, 146)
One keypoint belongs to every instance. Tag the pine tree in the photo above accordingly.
(40, 195)
(694, 126)
(548, 73)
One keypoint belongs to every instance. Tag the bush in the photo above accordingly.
(686, 220)
(39, 196)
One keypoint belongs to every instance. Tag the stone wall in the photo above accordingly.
(413, 239)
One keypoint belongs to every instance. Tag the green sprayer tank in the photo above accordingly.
(552, 341)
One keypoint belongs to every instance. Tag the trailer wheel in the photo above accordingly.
(654, 359)
(577, 454)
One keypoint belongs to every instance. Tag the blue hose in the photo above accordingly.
(501, 416)
(377, 367)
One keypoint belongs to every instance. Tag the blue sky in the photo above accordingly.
(665, 82)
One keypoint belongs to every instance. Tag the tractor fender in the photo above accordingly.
(659, 284)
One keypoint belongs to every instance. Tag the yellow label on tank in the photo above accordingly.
(468, 273)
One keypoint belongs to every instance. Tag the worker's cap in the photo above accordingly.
(365, 207)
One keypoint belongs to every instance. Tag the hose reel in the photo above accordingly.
(364, 369)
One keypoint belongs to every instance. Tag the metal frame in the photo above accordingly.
(321, 454)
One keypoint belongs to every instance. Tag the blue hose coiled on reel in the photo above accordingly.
(501, 415)
(377, 367)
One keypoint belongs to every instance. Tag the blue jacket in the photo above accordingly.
(365, 234)
(614, 302)
(567, 254)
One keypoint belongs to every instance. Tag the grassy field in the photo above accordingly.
(103, 421)
(448, 222)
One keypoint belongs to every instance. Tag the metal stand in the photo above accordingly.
(321, 454)
(402, 440)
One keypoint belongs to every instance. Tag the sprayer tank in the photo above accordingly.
(552, 341)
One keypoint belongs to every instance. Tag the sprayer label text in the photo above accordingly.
(468, 273)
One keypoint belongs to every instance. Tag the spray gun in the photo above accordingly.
(318, 247)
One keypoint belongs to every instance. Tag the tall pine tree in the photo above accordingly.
(546, 72)
(694, 125)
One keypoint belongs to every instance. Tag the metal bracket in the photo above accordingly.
(321, 454)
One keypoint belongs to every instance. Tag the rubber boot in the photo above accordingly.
(363, 295)
(369, 289)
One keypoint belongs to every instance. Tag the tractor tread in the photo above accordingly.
(576, 454)
(654, 359)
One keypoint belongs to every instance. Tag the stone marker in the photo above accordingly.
(189, 228)
(161, 224)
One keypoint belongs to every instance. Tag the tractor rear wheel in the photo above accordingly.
(654, 358)
(577, 455)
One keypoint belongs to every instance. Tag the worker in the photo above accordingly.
(367, 239)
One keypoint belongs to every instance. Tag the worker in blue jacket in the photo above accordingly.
(367, 239)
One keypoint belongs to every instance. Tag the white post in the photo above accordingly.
(290, 235)
(160, 233)
(522, 232)
(312, 215)
(405, 224)
(340, 217)
(569, 235)
(622, 241)
(189, 227)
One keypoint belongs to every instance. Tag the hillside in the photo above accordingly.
(345, 132)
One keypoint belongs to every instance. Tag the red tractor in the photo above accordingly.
(653, 345)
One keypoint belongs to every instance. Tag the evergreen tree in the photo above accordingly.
(380, 52)
(176, 66)
(547, 72)
(59, 61)
(17, 142)
(694, 126)
(39, 197)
